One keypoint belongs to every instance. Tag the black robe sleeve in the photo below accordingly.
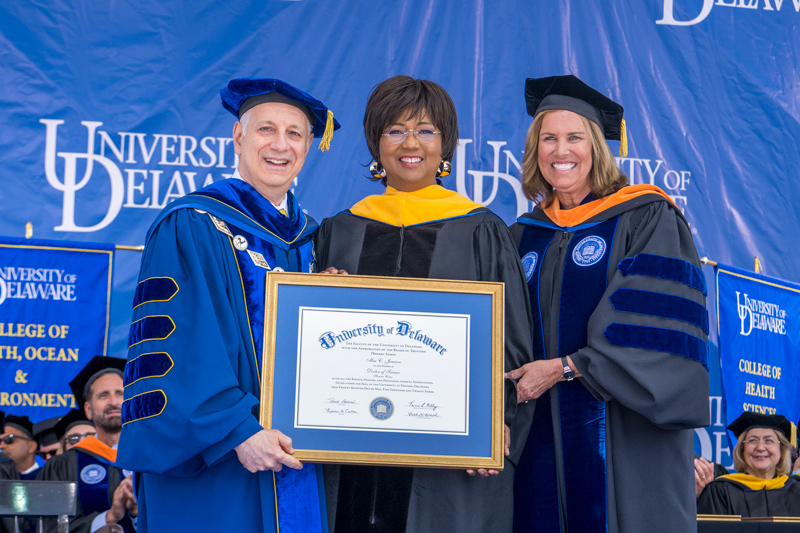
(669, 390)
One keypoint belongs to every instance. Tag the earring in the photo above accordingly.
(444, 169)
(377, 170)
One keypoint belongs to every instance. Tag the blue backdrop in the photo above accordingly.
(111, 109)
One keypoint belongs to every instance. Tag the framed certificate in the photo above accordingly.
(385, 371)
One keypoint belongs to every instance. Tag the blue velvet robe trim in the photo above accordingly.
(93, 496)
(661, 305)
(658, 339)
(154, 290)
(147, 365)
(581, 418)
(150, 328)
(658, 266)
(143, 406)
(298, 506)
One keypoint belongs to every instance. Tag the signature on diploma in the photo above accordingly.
(422, 406)
(341, 411)
(337, 401)
(415, 414)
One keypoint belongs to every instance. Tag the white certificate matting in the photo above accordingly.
(379, 370)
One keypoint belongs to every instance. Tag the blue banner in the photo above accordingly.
(111, 110)
(759, 343)
(55, 298)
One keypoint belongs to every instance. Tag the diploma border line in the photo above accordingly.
(463, 316)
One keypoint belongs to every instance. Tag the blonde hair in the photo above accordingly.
(784, 465)
(605, 177)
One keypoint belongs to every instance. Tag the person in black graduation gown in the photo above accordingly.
(105, 492)
(18, 443)
(620, 372)
(762, 458)
(419, 229)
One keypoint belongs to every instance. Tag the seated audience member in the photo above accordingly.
(105, 495)
(19, 461)
(705, 472)
(73, 428)
(20, 447)
(45, 434)
(762, 458)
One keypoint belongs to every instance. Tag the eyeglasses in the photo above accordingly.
(768, 441)
(75, 438)
(423, 136)
(9, 439)
(46, 455)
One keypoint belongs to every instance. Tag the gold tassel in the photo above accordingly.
(325, 143)
(623, 140)
(793, 431)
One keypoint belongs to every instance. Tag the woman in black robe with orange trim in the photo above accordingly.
(620, 372)
(419, 229)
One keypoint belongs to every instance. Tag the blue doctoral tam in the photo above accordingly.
(242, 94)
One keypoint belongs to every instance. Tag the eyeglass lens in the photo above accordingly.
(398, 136)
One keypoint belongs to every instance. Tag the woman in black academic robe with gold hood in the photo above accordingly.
(762, 458)
(419, 229)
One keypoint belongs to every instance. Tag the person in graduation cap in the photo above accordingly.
(419, 229)
(762, 459)
(190, 416)
(45, 434)
(104, 492)
(19, 445)
(73, 428)
(620, 372)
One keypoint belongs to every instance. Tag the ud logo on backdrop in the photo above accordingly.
(758, 314)
(25, 283)
(670, 19)
(137, 166)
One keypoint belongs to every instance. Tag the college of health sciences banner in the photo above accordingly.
(54, 317)
(759, 343)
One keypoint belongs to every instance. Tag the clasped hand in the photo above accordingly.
(269, 449)
(535, 378)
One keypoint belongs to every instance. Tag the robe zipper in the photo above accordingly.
(399, 262)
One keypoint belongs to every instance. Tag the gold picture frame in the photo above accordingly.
(297, 395)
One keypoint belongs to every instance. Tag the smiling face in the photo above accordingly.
(411, 165)
(565, 156)
(273, 149)
(761, 452)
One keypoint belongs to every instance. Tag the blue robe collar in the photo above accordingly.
(238, 202)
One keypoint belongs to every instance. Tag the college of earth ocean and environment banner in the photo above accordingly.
(759, 343)
(55, 299)
(111, 110)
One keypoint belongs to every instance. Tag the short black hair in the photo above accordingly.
(405, 95)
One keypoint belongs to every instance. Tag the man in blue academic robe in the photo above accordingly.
(192, 383)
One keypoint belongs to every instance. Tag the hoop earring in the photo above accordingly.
(444, 169)
(377, 170)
